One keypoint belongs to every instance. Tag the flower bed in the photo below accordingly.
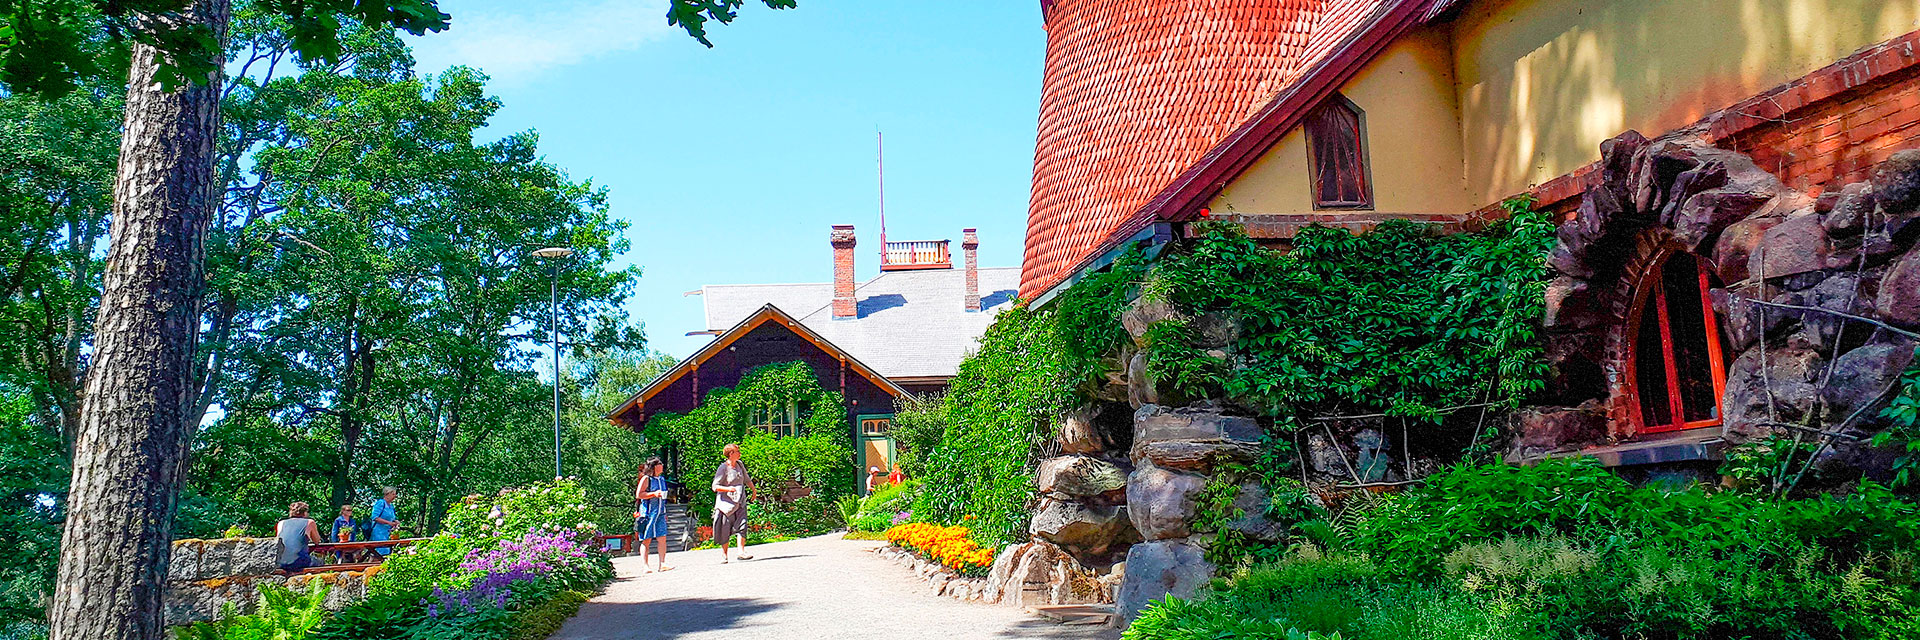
(951, 547)
(511, 566)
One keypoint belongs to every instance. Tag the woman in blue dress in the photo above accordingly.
(650, 512)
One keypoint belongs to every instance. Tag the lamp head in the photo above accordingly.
(553, 252)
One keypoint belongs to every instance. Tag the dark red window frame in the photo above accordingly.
(1651, 306)
(1337, 146)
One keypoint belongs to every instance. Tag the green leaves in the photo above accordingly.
(48, 46)
(692, 15)
(1396, 320)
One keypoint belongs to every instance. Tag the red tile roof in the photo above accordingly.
(1148, 105)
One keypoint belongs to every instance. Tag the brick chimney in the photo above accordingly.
(844, 306)
(971, 243)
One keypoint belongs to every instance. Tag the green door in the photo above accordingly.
(876, 446)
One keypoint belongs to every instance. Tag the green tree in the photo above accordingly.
(606, 457)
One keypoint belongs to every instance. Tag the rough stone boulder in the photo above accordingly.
(1079, 476)
(1860, 375)
(1570, 305)
(1040, 573)
(1253, 522)
(1087, 531)
(1848, 217)
(1154, 423)
(1194, 455)
(1142, 314)
(1899, 300)
(1733, 252)
(1793, 370)
(1797, 245)
(1161, 502)
(1539, 430)
(1215, 330)
(1896, 183)
(1155, 570)
(1142, 389)
(1078, 434)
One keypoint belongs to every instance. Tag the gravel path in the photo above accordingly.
(821, 587)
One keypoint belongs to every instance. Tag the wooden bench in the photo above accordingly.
(627, 541)
(330, 568)
(340, 547)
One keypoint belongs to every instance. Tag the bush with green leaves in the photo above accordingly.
(283, 614)
(878, 510)
(515, 511)
(1565, 549)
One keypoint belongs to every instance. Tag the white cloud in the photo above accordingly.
(518, 41)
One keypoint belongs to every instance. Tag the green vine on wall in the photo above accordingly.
(1401, 320)
(820, 457)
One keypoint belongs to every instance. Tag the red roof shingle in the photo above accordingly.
(1140, 96)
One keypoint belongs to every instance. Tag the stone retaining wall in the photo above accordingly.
(205, 577)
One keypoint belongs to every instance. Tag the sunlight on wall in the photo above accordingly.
(1543, 82)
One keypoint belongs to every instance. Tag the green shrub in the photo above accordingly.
(877, 510)
(419, 567)
(483, 623)
(382, 617)
(539, 621)
(846, 508)
(1565, 549)
(512, 512)
(283, 615)
(805, 516)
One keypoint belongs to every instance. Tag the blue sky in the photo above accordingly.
(730, 163)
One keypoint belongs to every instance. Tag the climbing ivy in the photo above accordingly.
(1401, 320)
(820, 457)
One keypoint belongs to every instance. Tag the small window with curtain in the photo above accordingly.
(1336, 143)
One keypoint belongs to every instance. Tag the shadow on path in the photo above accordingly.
(663, 618)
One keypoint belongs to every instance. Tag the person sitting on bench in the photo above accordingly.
(296, 533)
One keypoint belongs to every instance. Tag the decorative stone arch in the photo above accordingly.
(1780, 370)
(1650, 201)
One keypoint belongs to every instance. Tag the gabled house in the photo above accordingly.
(903, 331)
(1279, 114)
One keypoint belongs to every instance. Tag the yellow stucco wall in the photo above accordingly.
(1543, 82)
(1412, 122)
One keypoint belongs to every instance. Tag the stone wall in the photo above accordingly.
(1847, 251)
(205, 577)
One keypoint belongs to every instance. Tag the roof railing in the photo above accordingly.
(915, 254)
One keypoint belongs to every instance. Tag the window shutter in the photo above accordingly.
(1339, 161)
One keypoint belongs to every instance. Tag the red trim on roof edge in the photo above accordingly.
(1196, 186)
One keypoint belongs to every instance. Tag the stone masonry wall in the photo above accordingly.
(205, 577)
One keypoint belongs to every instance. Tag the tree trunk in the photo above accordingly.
(130, 456)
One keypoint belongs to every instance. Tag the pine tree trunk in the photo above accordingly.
(131, 452)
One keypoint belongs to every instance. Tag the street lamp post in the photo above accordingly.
(553, 254)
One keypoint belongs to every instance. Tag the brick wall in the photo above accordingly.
(1834, 141)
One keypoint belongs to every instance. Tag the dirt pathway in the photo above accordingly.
(822, 587)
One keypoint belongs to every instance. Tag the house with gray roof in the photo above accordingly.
(903, 331)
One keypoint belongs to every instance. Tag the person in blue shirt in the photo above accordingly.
(384, 518)
(343, 528)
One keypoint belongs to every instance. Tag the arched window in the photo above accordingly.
(1678, 375)
(1337, 142)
